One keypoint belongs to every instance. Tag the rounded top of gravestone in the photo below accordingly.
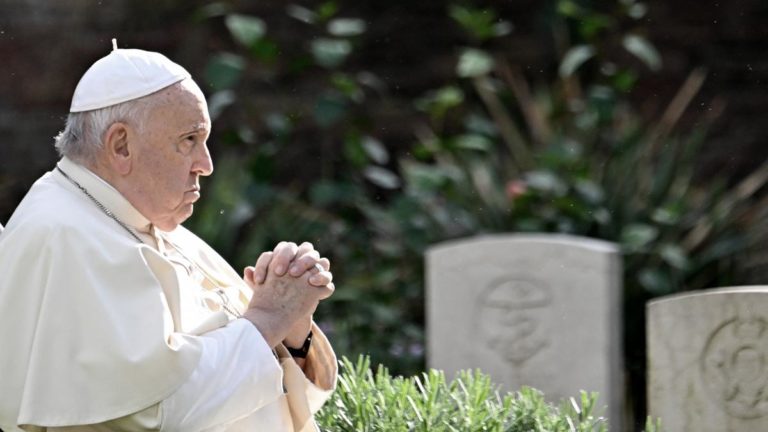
(745, 289)
(564, 240)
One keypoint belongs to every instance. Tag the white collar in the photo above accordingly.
(106, 194)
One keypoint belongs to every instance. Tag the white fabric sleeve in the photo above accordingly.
(317, 396)
(220, 394)
(322, 369)
(237, 374)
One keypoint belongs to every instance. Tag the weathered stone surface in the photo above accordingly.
(708, 360)
(537, 310)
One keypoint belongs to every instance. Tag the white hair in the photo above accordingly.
(83, 135)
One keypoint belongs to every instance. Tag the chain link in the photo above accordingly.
(226, 303)
(100, 205)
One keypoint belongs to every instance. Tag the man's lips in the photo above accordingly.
(195, 191)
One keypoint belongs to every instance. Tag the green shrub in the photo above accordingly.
(497, 150)
(366, 401)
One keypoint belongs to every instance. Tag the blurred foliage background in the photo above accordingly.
(318, 138)
(490, 151)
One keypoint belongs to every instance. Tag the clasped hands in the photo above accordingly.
(287, 287)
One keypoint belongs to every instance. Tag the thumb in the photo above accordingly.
(248, 275)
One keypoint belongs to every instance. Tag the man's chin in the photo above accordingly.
(185, 213)
(171, 223)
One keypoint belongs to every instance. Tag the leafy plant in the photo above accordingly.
(495, 152)
(574, 156)
(368, 401)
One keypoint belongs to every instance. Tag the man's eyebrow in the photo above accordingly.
(200, 127)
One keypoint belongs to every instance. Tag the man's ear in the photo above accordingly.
(118, 147)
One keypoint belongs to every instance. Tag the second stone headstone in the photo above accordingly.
(708, 360)
(538, 310)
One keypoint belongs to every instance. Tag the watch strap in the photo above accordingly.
(303, 350)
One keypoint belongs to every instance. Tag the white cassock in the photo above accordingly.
(100, 332)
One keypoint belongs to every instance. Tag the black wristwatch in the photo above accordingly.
(301, 352)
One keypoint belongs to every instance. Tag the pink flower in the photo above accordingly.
(515, 189)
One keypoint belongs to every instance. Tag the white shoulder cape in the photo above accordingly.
(85, 330)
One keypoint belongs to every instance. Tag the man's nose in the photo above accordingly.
(203, 164)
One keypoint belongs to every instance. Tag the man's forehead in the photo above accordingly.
(181, 92)
(184, 104)
(201, 127)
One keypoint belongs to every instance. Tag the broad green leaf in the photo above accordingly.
(674, 255)
(437, 103)
(427, 177)
(224, 70)
(474, 62)
(546, 181)
(502, 28)
(326, 193)
(724, 247)
(477, 123)
(574, 58)
(624, 80)
(587, 120)
(591, 192)
(301, 13)
(329, 109)
(449, 96)
(245, 29)
(382, 177)
(637, 236)
(327, 10)
(563, 154)
(375, 150)
(345, 84)
(246, 134)
(603, 102)
(265, 50)
(354, 151)
(569, 8)
(637, 10)
(481, 24)
(641, 48)
(473, 142)
(345, 27)
(330, 53)
(220, 100)
(655, 281)
(592, 24)
(668, 215)
(368, 78)
(278, 123)
(212, 10)
(602, 216)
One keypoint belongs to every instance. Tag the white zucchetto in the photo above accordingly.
(123, 75)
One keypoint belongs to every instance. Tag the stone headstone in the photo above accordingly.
(537, 310)
(708, 360)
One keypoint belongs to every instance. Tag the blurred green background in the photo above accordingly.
(374, 129)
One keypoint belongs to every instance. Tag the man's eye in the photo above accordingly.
(187, 144)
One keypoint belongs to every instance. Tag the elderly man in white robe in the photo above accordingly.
(115, 317)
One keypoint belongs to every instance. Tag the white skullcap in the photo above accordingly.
(123, 75)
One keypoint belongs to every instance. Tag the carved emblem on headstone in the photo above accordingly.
(734, 366)
(509, 313)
